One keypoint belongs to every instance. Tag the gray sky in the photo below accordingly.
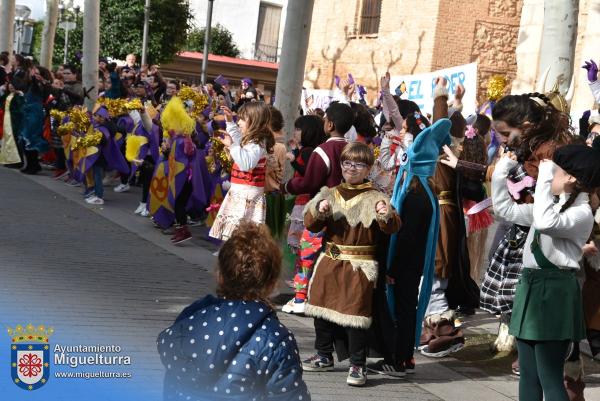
(38, 7)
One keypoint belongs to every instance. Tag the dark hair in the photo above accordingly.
(406, 107)
(249, 263)
(319, 112)
(474, 150)
(358, 152)
(312, 132)
(341, 116)
(71, 68)
(276, 119)
(3, 59)
(363, 120)
(482, 124)
(546, 122)
(415, 123)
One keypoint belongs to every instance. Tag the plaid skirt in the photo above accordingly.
(501, 278)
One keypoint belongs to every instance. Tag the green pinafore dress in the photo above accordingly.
(547, 305)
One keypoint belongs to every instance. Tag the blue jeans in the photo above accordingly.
(98, 171)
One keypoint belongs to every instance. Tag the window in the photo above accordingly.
(370, 15)
(267, 35)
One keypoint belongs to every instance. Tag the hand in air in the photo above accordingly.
(381, 208)
(450, 160)
(592, 70)
(227, 113)
(385, 82)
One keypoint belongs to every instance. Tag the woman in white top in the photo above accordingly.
(547, 311)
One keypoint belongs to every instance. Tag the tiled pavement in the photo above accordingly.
(111, 278)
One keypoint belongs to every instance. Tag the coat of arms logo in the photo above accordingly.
(30, 355)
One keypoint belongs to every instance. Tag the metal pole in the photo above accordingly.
(66, 42)
(145, 37)
(206, 41)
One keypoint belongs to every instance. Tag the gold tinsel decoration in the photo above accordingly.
(91, 139)
(57, 115)
(496, 87)
(199, 99)
(65, 129)
(79, 117)
(119, 107)
(218, 153)
(376, 152)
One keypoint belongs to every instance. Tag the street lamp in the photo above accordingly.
(21, 16)
(67, 10)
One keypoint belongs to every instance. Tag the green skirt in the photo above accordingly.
(547, 306)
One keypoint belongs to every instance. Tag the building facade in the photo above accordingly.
(256, 25)
(369, 37)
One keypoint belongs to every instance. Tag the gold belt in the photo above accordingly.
(446, 198)
(350, 252)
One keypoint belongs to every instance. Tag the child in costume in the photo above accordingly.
(411, 255)
(452, 286)
(534, 128)
(354, 217)
(13, 102)
(233, 346)
(249, 144)
(395, 141)
(105, 154)
(180, 178)
(308, 134)
(547, 311)
(323, 169)
(275, 218)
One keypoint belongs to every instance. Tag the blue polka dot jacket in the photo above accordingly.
(220, 349)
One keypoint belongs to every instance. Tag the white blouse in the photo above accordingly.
(247, 156)
(562, 235)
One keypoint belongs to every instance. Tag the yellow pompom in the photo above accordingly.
(175, 118)
(132, 146)
(496, 87)
(199, 100)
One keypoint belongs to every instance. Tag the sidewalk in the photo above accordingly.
(472, 374)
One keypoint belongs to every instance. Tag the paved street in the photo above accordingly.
(100, 275)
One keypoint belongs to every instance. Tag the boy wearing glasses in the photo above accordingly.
(354, 217)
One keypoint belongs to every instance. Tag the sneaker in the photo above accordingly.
(409, 366)
(294, 307)
(122, 188)
(140, 208)
(318, 363)
(182, 234)
(443, 346)
(168, 230)
(73, 183)
(357, 376)
(94, 200)
(145, 213)
(384, 368)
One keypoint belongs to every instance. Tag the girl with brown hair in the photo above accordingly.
(249, 141)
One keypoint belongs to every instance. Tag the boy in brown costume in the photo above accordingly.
(355, 217)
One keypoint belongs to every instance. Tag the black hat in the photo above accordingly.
(580, 161)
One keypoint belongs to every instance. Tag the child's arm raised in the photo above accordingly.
(545, 218)
(504, 206)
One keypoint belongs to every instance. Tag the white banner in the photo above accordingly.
(419, 87)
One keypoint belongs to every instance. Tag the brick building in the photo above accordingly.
(368, 37)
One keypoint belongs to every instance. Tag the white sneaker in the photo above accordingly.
(145, 213)
(94, 200)
(294, 307)
(140, 208)
(122, 188)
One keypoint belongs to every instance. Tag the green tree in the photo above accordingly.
(75, 43)
(221, 41)
(121, 28)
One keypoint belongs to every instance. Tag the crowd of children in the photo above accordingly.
(386, 221)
